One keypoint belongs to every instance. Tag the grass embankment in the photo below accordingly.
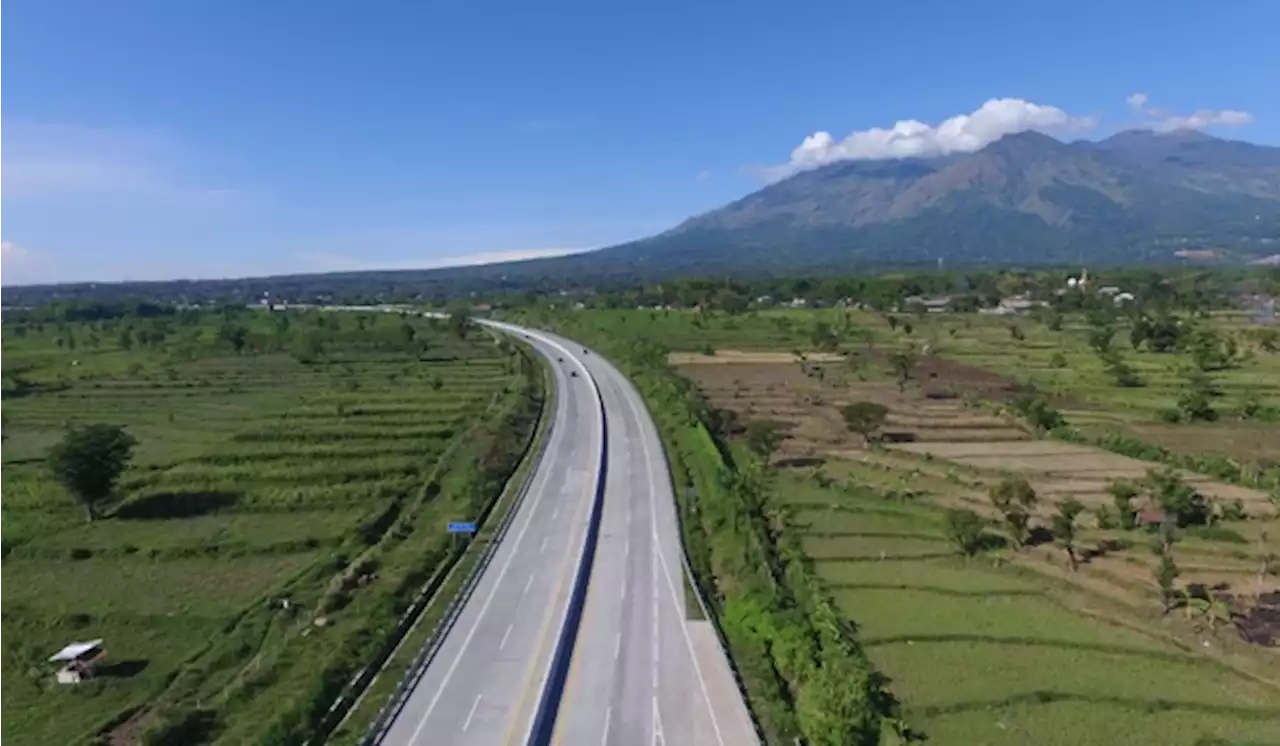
(261, 475)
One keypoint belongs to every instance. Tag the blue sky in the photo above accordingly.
(203, 138)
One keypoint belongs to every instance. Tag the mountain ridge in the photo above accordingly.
(1135, 196)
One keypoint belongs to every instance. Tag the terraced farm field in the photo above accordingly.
(999, 652)
(279, 513)
(1012, 647)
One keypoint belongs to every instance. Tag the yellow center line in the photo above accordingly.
(558, 734)
(542, 634)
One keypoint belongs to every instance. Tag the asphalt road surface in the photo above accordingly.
(483, 685)
(641, 672)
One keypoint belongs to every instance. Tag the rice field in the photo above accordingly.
(1009, 647)
(258, 475)
(1013, 652)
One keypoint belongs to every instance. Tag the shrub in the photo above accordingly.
(864, 418)
(1216, 533)
(1038, 413)
(964, 529)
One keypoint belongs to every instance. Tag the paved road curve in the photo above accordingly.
(641, 672)
(483, 685)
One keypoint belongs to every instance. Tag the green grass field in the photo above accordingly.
(257, 476)
(986, 653)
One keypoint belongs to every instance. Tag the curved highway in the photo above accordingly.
(642, 672)
(638, 670)
(483, 686)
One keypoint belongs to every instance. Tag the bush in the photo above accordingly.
(1233, 510)
(1038, 414)
(1216, 533)
(177, 726)
(1106, 518)
(964, 529)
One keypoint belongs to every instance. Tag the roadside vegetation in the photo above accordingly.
(286, 480)
(987, 528)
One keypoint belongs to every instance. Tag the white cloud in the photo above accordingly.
(1201, 118)
(16, 265)
(1162, 120)
(12, 252)
(703, 175)
(911, 138)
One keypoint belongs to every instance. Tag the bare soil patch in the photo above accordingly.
(1258, 620)
(1055, 468)
(806, 396)
(748, 357)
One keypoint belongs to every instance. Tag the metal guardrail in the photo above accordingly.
(387, 714)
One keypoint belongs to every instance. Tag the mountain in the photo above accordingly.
(1026, 198)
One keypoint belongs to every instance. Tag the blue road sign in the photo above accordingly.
(462, 527)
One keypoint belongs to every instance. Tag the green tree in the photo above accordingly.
(763, 437)
(89, 460)
(407, 333)
(964, 529)
(1120, 371)
(1195, 401)
(235, 335)
(864, 418)
(1267, 563)
(902, 363)
(1180, 502)
(834, 706)
(1015, 499)
(1166, 571)
(1063, 528)
(1038, 413)
(308, 348)
(460, 322)
(1122, 493)
(1100, 339)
